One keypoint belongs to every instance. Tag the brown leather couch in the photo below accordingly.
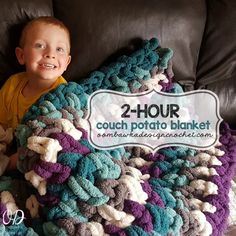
(202, 34)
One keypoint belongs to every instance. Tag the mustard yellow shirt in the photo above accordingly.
(13, 105)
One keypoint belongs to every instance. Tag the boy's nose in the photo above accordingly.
(49, 54)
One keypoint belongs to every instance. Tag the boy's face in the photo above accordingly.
(45, 52)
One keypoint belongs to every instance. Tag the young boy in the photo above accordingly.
(44, 49)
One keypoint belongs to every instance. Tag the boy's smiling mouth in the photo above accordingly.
(47, 66)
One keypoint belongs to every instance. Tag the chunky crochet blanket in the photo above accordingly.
(67, 187)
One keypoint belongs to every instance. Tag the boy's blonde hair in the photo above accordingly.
(49, 20)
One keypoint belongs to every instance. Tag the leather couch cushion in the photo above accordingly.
(226, 90)
(104, 29)
(14, 14)
(217, 62)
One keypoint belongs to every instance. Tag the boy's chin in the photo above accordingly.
(48, 76)
(43, 75)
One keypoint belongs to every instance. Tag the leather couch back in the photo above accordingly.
(216, 69)
(201, 34)
(103, 29)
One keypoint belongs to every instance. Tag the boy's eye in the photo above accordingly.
(39, 45)
(61, 50)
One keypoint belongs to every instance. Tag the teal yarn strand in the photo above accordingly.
(6, 183)
(22, 133)
(66, 209)
(175, 180)
(164, 193)
(70, 159)
(117, 153)
(89, 169)
(176, 221)
(63, 191)
(86, 191)
(50, 229)
(77, 189)
(136, 84)
(106, 168)
(134, 230)
(70, 207)
(161, 220)
(17, 230)
(165, 55)
(177, 152)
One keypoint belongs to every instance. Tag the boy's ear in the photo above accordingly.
(68, 61)
(20, 55)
